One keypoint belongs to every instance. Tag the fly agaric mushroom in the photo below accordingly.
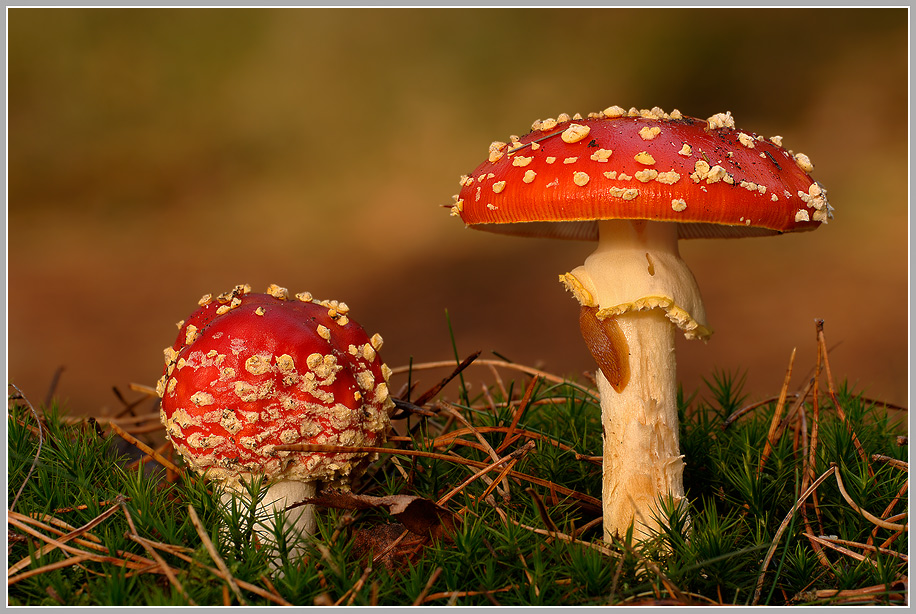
(249, 372)
(637, 181)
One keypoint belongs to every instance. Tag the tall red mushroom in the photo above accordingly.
(249, 372)
(636, 181)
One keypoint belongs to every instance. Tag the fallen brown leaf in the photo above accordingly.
(420, 516)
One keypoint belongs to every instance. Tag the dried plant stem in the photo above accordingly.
(772, 435)
(818, 550)
(864, 513)
(831, 392)
(867, 594)
(353, 590)
(586, 499)
(125, 421)
(429, 585)
(483, 442)
(601, 547)
(486, 361)
(746, 409)
(453, 436)
(456, 594)
(542, 511)
(893, 462)
(57, 522)
(41, 439)
(377, 557)
(67, 562)
(270, 595)
(499, 382)
(831, 541)
(811, 462)
(132, 562)
(491, 484)
(834, 546)
(509, 458)
(782, 528)
(148, 546)
(517, 415)
(64, 538)
(799, 403)
(432, 392)
(890, 540)
(135, 464)
(890, 507)
(144, 448)
(205, 539)
(673, 590)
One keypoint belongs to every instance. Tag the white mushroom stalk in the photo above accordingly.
(635, 293)
(300, 521)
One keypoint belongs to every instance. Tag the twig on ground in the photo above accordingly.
(896, 591)
(446, 407)
(864, 513)
(831, 392)
(429, 585)
(799, 403)
(144, 448)
(487, 361)
(893, 462)
(66, 562)
(509, 458)
(499, 382)
(837, 543)
(64, 538)
(455, 594)
(738, 413)
(597, 546)
(781, 530)
(432, 392)
(230, 580)
(353, 590)
(136, 464)
(774, 431)
(517, 415)
(148, 546)
(542, 510)
(41, 439)
(890, 507)
(672, 590)
(130, 561)
(586, 499)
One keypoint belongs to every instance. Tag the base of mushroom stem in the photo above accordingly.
(642, 460)
(300, 522)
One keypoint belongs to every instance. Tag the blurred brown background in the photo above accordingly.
(159, 154)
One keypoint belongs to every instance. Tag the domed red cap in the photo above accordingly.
(714, 179)
(249, 372)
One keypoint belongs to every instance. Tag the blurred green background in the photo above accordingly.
(159, 154)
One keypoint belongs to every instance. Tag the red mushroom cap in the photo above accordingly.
(249, 372)
(717, 180)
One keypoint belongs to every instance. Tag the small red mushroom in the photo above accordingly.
(250, 372)
(636, 181)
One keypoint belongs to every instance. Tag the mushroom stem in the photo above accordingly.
(299, 522)
(642, 461)
(637, 279)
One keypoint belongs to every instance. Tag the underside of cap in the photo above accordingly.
(588, 230)
(712, 178)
